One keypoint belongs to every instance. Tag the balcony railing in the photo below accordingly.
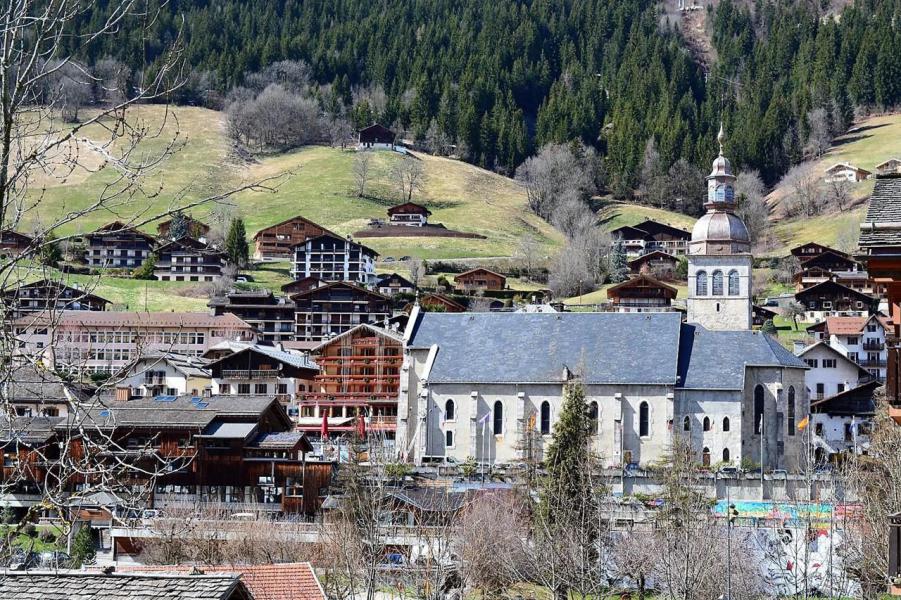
(249, 374)
(873, 345)
(872, 363)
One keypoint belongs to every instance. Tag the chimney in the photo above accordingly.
(279, 347)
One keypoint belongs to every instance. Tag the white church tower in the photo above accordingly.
(719, 257)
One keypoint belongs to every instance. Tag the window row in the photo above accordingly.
(716, 283)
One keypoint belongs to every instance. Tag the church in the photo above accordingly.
(489, 386)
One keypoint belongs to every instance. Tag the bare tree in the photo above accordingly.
(361, 168)
(416, 269)
(838, 193)
(573, 217)
(806, 195)
(752, 208)
(556, 174)
(275, 119)
(652, 186)
(819, 135)
(489, 538)
(408, 176)
(40, 83)
(528, 252)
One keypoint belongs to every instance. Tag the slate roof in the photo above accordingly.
(280, 440)
(30, 431)
(614, 348)
(717, 359)
(192, 366)
(170, 411)
(89, 318)
(29, 383)
(430, 499)
(884, 208)
(292, 359)
(284, 581)
(85, 586)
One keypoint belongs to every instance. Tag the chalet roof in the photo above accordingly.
(882, 225)
(441, 299)
(630, 232)
(394, 335)
(830, 288)
(292, 359)
(407, 207)
(9, 235)
(824, 345)
(383, 279)
(889, 161)
(642, 281)
(30, 431)
(283, 581)
(718, 359)
(226, 430)
(191, 366)
(656, 254)
(857, 401)
(124, 319)
(796, 251)
(335, 284)
(845, 325)
(656, 227)
(173, 411)
(479, 270)
(265, 299)
(836, 256)
(291, 220)
(763, 311)
(347, 241)
(614, 348)
(27, 382)
(376, 128)
(845, 166)
(282, 440)
(189, 243)
(191, 222)
(120, 227)
(75, 585)
(303, 284)
(56, 286)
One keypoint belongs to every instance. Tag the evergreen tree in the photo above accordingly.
(83, 550)
(236, 247)
(178, 226)
(567, 457)
(50, 254)
(619, 266)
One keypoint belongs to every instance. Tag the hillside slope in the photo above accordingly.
(316, 182)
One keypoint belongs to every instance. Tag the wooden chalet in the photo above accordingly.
(479, 279)
(642, 293)
(261, 370)
(761, 314)
(658, 264)
(440, 303)
(409, 214)
(188, 259)
(13, 243)
(833, 299)
(846, 172)
(891, 166)
(832, 260)
(649, 236)
(194, 228)
(302, 285)
(393, 284)
(376, 136)
(276, 241)
(812, 249)
(48, 295)
(238, 454)
(271, 315)
(332, 309)
(359, 375)
(117, 245)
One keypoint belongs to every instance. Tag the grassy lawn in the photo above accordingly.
(614, 214)
(35, 544)
(316, 182)
(824, 229)
(787, 333)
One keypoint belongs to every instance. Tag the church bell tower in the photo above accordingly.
(719, 257)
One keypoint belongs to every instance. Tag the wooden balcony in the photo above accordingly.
(249, 374)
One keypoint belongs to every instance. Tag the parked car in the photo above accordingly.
(22, 560)
(728, 470)
(55, 560)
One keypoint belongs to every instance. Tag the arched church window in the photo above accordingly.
(686, 423)
(593, 416)
(701, 283)
(725, 423)
(791, 410)
(758, 409)
(726, 457)
(705, 457)
(706, 423)
(545, 417)
(644, 427)
(498, 420)
(717, 283)
(449, 410)
(733, 283)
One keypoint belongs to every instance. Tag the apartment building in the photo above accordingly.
(117, 246)
(333, 258)
(188, 259)
(862, 339)
(108, 341)
(48, 295)
(830, 372)
(324, 312)
(271, 315)
(167, 374)
(276, 241)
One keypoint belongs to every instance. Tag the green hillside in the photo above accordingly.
(316, 182)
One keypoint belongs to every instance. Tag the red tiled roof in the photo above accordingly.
(287, 581)
(845, 325)
(134, 319)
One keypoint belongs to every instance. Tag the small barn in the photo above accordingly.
(376, 136)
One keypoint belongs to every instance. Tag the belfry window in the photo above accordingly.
(733, 283)
(701, 283)
(717, 283)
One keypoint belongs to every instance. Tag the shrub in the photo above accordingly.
(30, 530)
(47, 536)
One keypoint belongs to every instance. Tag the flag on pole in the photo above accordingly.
(804, 423)
(532, 422)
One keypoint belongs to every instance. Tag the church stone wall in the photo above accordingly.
(721, 312)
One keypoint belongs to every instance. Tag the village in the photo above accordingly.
(254, 410)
